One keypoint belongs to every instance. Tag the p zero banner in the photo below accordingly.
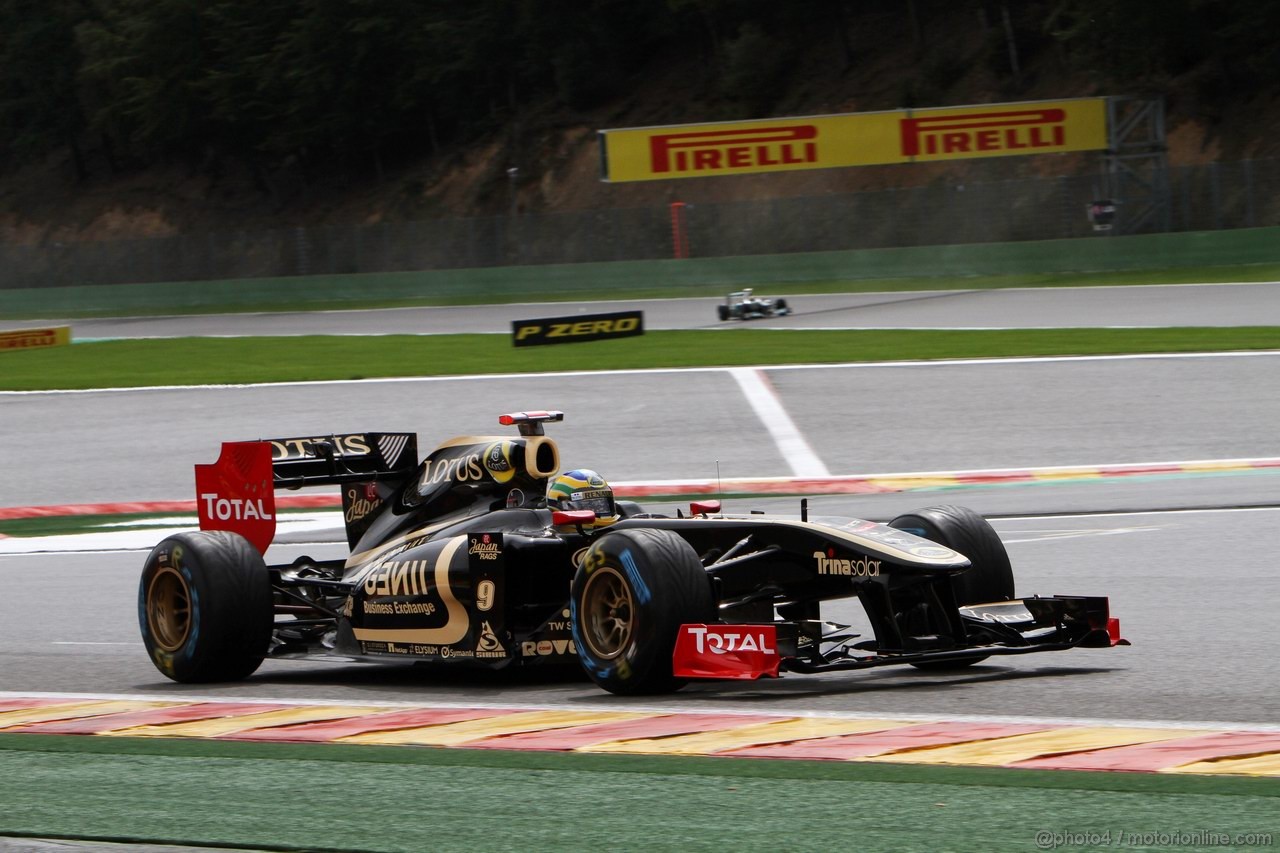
(853, 139)
(32, 338)
(579, 327)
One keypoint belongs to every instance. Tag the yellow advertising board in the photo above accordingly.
(54, 336)
(853, 139)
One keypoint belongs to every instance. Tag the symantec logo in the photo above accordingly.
(713, 150)
(984, 132)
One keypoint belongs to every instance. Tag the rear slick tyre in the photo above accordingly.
(989, 577)
(205, 607)
(633, 591)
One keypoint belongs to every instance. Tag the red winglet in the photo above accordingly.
(704, 507)
(236, 493)
(726, 651)
(567, 517)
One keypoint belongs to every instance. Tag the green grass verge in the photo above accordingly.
(336, 797)
(62, 525)
(197, 361)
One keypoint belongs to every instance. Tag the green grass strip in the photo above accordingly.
(365, 798)
(197, 361)
(63, 525)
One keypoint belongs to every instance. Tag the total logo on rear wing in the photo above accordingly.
(237, 492)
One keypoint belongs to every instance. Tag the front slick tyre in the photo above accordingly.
(633, 591)
(989, 577)
(205, 607)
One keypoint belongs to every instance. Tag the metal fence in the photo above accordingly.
(1200, 198)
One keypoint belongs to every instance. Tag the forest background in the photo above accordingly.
(139, 118)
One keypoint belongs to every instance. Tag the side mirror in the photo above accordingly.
(704, 507)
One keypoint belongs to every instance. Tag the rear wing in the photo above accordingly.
(356, 457)
(237, 492)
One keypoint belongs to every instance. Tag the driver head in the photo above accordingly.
(583, 488)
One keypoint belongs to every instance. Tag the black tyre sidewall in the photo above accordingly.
(678, 592)
(990, 577)
(230, 604)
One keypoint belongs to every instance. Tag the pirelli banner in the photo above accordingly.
(22, 339)
(853, 139)
(577, 328)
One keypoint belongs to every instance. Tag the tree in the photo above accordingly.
(146, 59)
(39, 60)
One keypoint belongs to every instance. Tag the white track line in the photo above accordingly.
(87, 643)
(1193, 466)
(1137, 513)
(71, 544)
(764, 401)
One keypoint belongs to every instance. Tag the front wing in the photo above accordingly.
(749, 651)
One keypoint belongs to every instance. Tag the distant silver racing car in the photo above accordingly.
(742, 305)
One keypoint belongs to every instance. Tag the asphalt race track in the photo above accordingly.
(1193, 591)
(139, 444)
(1254, 304)
(1189, 561)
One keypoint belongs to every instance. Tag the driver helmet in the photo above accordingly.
(583, 488)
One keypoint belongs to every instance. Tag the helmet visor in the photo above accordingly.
(599, 501)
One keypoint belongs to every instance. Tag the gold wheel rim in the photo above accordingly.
(169, 609)
(609, 613)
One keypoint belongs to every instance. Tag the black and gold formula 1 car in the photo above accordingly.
(457, 558)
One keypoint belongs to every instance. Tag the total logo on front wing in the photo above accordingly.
(726, 651)
(722, 641)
